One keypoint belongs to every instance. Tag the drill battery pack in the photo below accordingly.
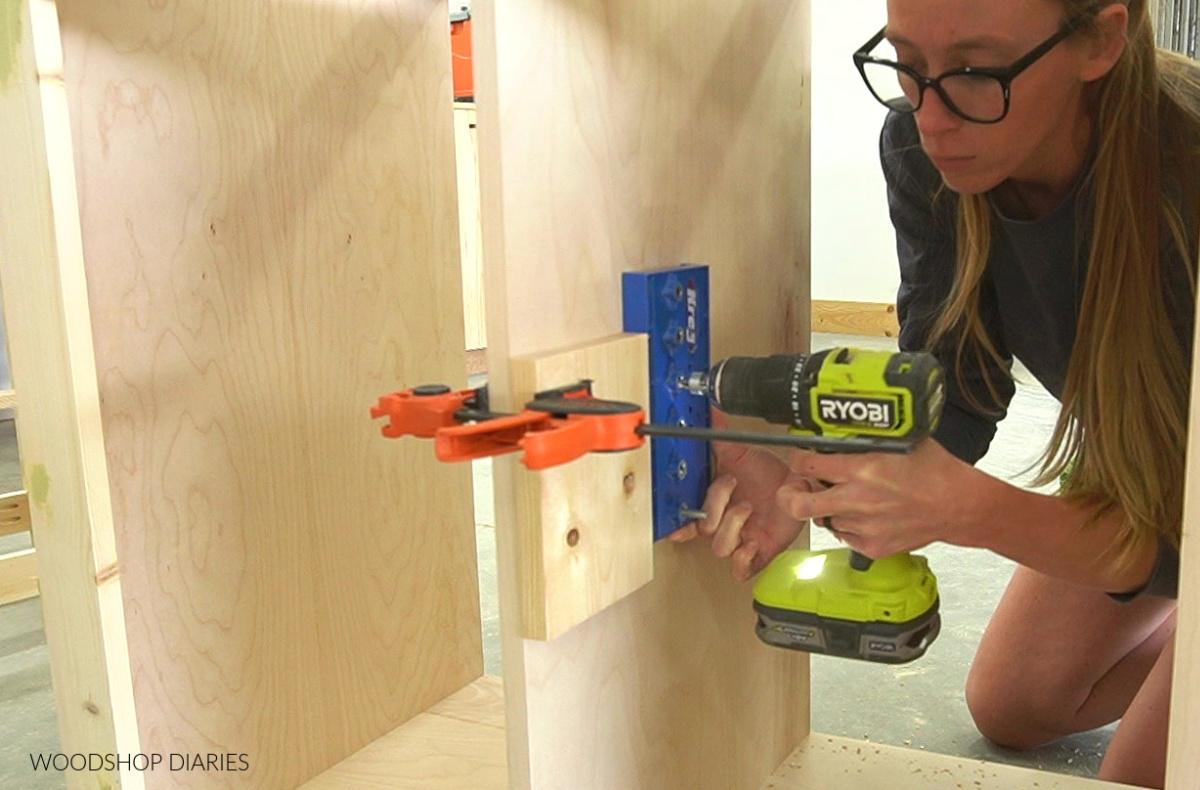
(816, 602)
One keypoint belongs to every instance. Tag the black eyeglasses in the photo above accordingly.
(977, 94)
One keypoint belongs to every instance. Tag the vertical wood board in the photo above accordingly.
(1183, 758)
(270, 230)
(46, 316)
(619, 136)
(470, 230)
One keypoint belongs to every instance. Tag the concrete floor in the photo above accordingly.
(919, 705)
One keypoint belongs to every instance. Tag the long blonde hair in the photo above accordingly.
(1123, 426)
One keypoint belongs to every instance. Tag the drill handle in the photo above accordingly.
(860, 562)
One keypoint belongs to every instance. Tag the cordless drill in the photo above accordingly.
(839, 601)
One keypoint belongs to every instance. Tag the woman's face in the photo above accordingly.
(1046, 112)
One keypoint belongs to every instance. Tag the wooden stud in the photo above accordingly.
(8, 399)
(855, 318)
(14, 513)
(48, 322)
(18, 576)
(1183, 758)
(585, 530)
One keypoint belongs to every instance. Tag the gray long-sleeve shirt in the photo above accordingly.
(1029, 300)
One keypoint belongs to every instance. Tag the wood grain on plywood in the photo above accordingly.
(268, 211)
(585, 528)
(8, 399)
(620, 136)
(457, 744)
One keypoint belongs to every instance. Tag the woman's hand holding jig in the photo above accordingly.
(882, 504)
(744, 518)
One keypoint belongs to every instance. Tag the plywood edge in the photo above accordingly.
(584, 528)
(870, 319)
(495, 274)
(8, 399)
(458, 744)
(18, 576)
(828, 761)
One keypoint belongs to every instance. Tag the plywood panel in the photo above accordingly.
(456, 745)
(269, 227)
(584, 528)
(622, 136)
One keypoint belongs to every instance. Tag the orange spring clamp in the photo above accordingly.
(555, 428)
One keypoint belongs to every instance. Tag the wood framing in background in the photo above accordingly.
(14, 513)
(855, 318)
(267, 223)
(18, 569)
(620, 136)
(18, 576)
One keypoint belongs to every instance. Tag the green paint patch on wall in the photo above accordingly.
(10, 39)
(38, 480)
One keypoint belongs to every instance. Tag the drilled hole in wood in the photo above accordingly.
(573, 538)
(630, 483)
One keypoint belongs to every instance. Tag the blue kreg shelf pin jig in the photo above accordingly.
(671, 306)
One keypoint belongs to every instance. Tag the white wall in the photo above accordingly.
(853, 246)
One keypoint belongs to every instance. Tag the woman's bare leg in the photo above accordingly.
(1137, 754)
(1058, 659)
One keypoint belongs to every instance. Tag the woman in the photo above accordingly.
(1043, 171)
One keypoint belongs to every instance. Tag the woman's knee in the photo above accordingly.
(1000, 713)
(1013, 713)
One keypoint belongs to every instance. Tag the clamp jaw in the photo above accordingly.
(555, 428)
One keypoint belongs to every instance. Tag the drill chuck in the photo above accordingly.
(763, 387)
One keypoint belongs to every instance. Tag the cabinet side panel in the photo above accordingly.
(267, 195)
(617, 136)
